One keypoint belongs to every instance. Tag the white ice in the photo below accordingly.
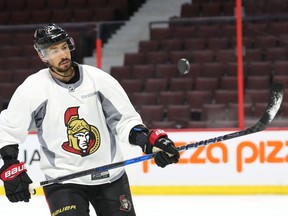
(203, 205)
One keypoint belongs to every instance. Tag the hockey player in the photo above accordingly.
(82, 115)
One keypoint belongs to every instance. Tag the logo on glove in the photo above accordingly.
(156, 134)
(13, 171)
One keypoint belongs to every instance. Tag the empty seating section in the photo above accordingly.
(43, 11)
(201, 8)
(18, 59)
(208, 95)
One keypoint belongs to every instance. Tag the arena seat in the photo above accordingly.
(167, 98)
(132, 85)
(206, 83)
(256, 95)
(7, 90)
(150, 113)
(19, 17)
(278, 28)
(226, 96)
(228, 83)
(149, 46)
(213, 69)
(155, 85)
(155, 58)
(190, 10)
(225, 55)
(166, 71)
(142, 72)
(6, 76)
(216, 43)
(171, 44)
(77, 3)
(174, 56)
(17, 5)
(14, 62)
(276, 54)
(202, 56)
(283, 79)
(42, 16)
(264, 42)
(6, 38)
(196, 99)
(212, 9)
(180, 114)
(207, 31)
(32, 5)
(181, 84)
(104, 14)
(96, 4)
(59, 4)
(10, 50)
(213, 112)
(134, 58)
(60, 15)
(280, 67)
(256, 68)
(143, 98)
(20, 75)
(121, 72)
(253, 55)
(161, 33)
(194, 44)
(233, 110)
(83, 14)
(258, 82)
(186, 32)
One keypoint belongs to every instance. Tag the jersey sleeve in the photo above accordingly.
(120, 114)
(15, 120)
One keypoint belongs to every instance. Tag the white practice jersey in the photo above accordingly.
(80, 126)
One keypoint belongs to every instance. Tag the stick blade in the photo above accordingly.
(276, 98)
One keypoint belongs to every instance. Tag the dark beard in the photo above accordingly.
(61, 70)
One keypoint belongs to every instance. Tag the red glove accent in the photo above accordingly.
(156, 134)
(13, 171)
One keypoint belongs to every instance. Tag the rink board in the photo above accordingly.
(253, 164)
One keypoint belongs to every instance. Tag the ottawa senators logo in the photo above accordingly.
(125, 204)
(83, 139)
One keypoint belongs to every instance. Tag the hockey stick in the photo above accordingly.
(273, 106)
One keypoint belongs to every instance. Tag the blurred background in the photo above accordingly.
(236, 49)
(139, 42)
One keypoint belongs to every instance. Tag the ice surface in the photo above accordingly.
(268, 205)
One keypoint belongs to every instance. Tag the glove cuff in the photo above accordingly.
(9, 152)
(156, 134)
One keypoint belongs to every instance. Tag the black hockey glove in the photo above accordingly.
(155, 141)
(159, 142)
(13, 174)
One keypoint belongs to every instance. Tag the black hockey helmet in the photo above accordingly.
(49, 35)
